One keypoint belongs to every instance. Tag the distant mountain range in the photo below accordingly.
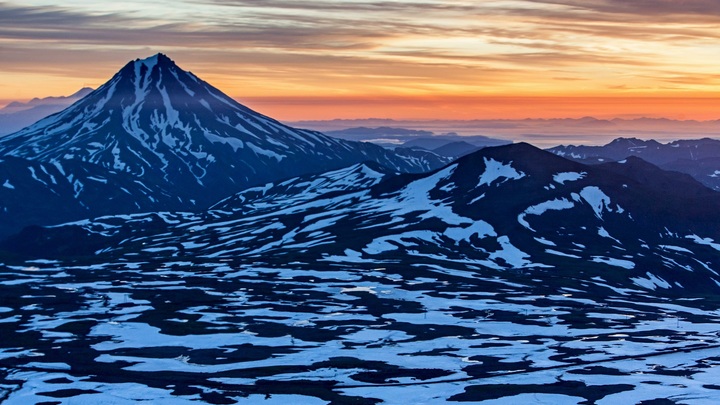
(448, 145)
(155, 137)
(544, 133)
(699, 158)
(17, 115)
(394, 136)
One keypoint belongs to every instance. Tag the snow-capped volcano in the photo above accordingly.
(157, 137)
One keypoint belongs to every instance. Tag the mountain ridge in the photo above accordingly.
(502, 208)
(699, 158)
(18, 115)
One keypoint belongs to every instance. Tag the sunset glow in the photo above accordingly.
(430, 59)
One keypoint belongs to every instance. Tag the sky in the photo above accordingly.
(402, 59)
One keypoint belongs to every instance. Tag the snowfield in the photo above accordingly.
(335, 333)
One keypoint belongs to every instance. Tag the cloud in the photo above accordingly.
(283, 47)
(643, 10)
(374, 27)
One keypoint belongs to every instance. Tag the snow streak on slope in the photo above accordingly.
(302, 189)
(495, 170)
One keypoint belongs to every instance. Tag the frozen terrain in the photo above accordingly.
(232, 332)
(509, 276)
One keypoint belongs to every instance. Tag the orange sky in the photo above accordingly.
(405, 59)
(490, 107)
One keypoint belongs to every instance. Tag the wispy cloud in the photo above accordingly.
(281, 48)
(693, 11)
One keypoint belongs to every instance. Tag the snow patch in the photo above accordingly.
(513, 256)
(539, 209)
(602, 232)
(415, 197)
(476, 199)
(675, 248)
(704, 241)
(626, 264)
(369, 289)
(233, 142)
(557, 253)
(598, 200)
(651, 283)
(351, 256)
(381, 245)
(495, 170)
(545, 241)
(479, 228)
(563, 177)
(260, 151)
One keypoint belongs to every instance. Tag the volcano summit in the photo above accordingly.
(155, 137)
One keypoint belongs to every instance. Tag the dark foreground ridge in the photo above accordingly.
(509, 207)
